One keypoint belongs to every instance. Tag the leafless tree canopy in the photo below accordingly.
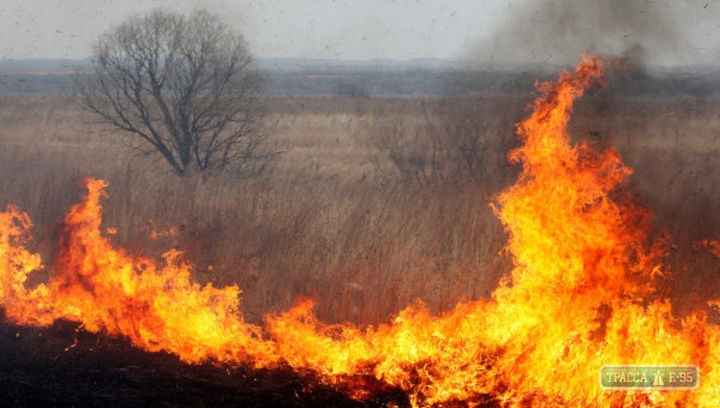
(183, 85)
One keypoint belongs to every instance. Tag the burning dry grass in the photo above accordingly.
(336, 218)
(583, 290)
(323, 222)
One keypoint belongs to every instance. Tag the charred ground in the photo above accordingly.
(64, 366)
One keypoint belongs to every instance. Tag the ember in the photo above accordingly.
(582, 295)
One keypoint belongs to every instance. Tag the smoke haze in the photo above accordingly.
(556, 32)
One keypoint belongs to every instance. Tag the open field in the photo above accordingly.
(372, 203)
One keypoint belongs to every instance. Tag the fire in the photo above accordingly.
(156, 306)
(581, 295)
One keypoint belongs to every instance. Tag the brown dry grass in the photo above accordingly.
(369, 206)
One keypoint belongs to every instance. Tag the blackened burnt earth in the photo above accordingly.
(62, 366)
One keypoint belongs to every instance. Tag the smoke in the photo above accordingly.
(556, 32)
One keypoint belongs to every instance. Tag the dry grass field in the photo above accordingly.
(372, 202)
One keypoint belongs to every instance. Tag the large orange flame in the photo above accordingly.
(581, 295)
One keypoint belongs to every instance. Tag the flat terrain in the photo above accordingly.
(371, 204)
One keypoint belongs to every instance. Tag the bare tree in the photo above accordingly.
(180, 85)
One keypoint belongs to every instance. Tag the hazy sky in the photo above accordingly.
(658, 31)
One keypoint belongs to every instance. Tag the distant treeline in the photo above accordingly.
(400, 80)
